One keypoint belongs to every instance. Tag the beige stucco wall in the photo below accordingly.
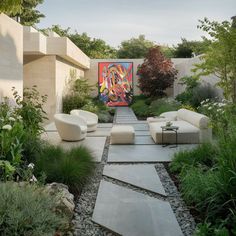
(50, 74)
(11, 56)
(64, 48)
(48, 62)
(40, 71)
(35, 43)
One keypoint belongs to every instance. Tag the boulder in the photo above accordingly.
(65, 200)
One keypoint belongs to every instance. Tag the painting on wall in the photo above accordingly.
(115, 81)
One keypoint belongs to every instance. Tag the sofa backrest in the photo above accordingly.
(194, 118)
(171, 115)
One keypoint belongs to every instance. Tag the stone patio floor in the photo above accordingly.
(122, 210)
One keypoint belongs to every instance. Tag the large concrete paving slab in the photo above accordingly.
(101, 126)
(143, 153)
(130, 213)
(142, 176)
(95, 144)
(142, 132)
(105, 125)
(50, 127)
(100, 132)
(139, 127)
(141, 140)
(132, 122)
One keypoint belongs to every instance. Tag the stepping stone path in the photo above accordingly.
(143, 176)
(122, 209)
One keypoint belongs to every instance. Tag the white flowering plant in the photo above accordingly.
(11, 140)
(218, 111)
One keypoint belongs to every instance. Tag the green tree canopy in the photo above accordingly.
(92, 47)
(10, 6)
(186, 48)
(30, 16)
(220, 57)
(135, 47)
(25, 9)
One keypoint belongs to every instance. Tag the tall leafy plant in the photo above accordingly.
(30, 108)
(156, 74)
(220, 58)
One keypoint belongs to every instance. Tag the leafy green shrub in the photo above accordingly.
(163, 105)
(104, 116)
(190, 82)
(201, 93)
(69, 167)
(90, 106)
(27, 210)
(188, 107)
(140, 108)
(195, 92)
(70, 102)
(204, 154)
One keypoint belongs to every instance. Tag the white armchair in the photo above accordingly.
(90, 118)
(70, 127)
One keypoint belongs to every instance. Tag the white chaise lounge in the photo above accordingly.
(70, 127)
(193, 128)
(90, 118)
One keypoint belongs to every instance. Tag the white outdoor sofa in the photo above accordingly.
(90, 118)
(193, 127)
(70, 127)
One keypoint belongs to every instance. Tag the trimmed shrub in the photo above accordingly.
(68, 167)
(28, 211)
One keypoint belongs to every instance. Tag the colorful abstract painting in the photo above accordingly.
(115, 80)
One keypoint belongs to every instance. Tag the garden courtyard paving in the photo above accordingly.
(130, 199)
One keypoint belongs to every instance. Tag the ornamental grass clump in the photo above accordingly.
(72, 167)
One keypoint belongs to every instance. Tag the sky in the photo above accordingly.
(163, 21)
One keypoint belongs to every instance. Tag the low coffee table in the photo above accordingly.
(170, 128)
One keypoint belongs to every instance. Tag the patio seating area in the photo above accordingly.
(134, 165)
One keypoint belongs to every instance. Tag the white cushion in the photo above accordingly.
(171, 115)
(187, 133)
(157, 119)
(194, 118)
(122, 134)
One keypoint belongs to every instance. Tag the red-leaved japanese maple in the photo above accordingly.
(156, 74)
